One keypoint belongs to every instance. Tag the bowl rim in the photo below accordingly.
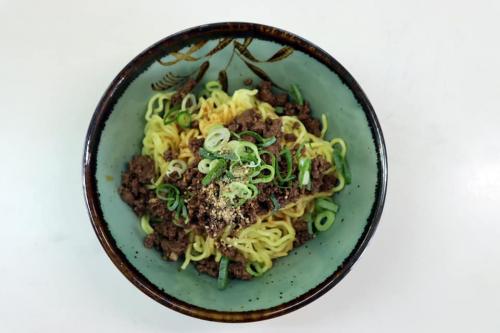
(139, 64)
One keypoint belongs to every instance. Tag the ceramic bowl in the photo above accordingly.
(235, 52)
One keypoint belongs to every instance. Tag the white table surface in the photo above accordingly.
(432, 72)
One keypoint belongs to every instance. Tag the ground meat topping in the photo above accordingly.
(133, 190)
(208, 266)
(302, 234)
(266, 95)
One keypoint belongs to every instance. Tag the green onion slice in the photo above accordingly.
(204, 165)
(296, 94)
(327, 205)
(213, 85)
(254, 189)
(178, 166)
(238, 193)
(304, 171)
(217, 168)
(222, 280)
(170, 194)
(246, 152)
(310, 222)
(145, 226)
(262, 142)
(217, 137)
(342, 166)
(324, 220)
(215, 155)
(276, 204)
(264, 174)
(183, 119)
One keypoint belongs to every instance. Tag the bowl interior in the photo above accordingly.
(305, 267)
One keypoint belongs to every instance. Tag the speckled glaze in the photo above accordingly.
(242, 50)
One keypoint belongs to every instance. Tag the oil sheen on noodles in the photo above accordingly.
(272, 236)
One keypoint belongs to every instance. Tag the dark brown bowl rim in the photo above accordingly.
(140, 64)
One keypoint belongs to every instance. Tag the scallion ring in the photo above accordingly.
(264, 174)
(217, 137)
(304, 171)
(217, 168)
(183, 119)
(238, 193)
(204, 165)
(213, 85)
(178, 166)
(327, 205)
(145, 226)
(324, 220)
(254, 189)
(247, 152)
(170, 194)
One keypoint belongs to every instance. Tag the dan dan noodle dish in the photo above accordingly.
(230, 183)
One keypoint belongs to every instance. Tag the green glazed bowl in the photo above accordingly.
(235, 51)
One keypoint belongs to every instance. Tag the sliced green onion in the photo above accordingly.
(246, 152)
(324, 220)
(347, 171)
(287, 155)
(217, 137)
(204, 165)
(254, 269)
(262, 142)
(215, 155)
(276, 204)
(222, 280)
(327, 204)
(184, 119)
(238, 193)
(146, 227)
(278, 110)
(178, 166)
(296, 95)
(170, 194)
(217, 168)
(298, 154)
(170, 114)
(260, 177)
(189, 98)
(342, 166)
(304, 171)
(324, 125)
(254, 189)
(238, 170)
(310, 222)
(213, 85)
(268, 142)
